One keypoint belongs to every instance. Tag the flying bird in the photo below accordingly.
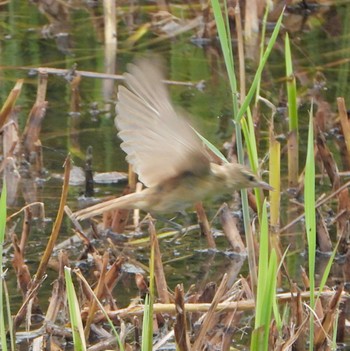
(165, 151)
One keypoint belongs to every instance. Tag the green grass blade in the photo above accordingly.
(261, 66)
(252, 151)
(74, 313)
(266, 292)
(146, 344)
(262, 268)
(327, 270)
(310, 217)
(249, 137)
(262, 45)
(110, 323)
(225, 41)
(212, 147)
(293, 137)
(147, 324)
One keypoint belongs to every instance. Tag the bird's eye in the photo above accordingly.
(251, 178)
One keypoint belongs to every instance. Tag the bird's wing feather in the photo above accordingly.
(159, 143)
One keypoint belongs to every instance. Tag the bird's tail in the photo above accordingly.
(126, 202)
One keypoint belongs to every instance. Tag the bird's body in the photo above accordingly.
(165, 151)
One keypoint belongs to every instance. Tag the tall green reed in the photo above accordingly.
(293, 136)
(266, 290)
(310, 217)
(222, 22)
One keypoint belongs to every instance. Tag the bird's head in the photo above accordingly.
(236, 177)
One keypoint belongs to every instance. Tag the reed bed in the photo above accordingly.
(83, 310)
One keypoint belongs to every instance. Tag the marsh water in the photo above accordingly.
(320, 37)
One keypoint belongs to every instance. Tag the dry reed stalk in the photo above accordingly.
(209, 320)
(75, 96)
(27, 221)
(180, 327)
(137, 332)
(204, 225)
(344, 121)
(58, 296)
(298, 317)
(20, 267)
(10, 137)
(57, 224)
(243, 305)
(318, 204)
(323, 115)
(342, 328)
(252, 202)
(99, 291)
(9, 104)
(39, 159)
(42, 87)
(327, 159)
(32, 129)
(142, 285)
(39, 204)
(110, 22)
(10, 148)
(322, 333)
(323, 238)
(90, 74)
(159, 274)
(116, 220)
(113, 273)
(231, 231)
(343, 153)
(30, 296)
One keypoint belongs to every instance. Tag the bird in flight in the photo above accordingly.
(165, 151)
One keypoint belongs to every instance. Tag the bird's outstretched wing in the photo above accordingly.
(159, 143)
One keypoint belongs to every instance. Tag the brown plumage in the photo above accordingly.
(165, 151)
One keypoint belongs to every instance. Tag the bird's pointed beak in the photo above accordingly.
(264, 185)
